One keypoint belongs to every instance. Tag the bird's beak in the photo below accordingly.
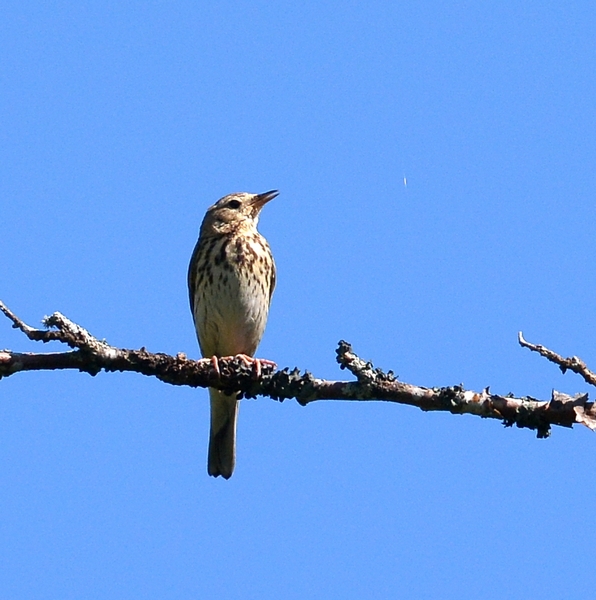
(261, 199)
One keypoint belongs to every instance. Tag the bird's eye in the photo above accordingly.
(234, 204)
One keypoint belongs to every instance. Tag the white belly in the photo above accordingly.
(231, 315)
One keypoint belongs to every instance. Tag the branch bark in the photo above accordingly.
(232, 374)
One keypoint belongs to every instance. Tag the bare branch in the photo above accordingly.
(91, 355)
(574, 363)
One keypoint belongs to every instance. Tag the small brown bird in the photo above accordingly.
(231, 278)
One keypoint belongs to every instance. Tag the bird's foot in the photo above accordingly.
(215, 365)
(256, 363)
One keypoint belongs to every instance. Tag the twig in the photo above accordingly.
(574, 363)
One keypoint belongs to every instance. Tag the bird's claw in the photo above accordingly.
(215, 365)
(256, 363)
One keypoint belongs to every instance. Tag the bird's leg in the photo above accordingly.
(215, 365)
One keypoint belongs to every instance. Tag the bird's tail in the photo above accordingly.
(222, 437)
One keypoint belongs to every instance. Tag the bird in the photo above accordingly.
(231, 278)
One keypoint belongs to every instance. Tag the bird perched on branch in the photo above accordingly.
(231, 278)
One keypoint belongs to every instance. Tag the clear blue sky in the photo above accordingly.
(122, 121)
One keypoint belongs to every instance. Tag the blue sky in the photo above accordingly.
(121, 123)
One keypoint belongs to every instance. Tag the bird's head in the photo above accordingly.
(239, 209)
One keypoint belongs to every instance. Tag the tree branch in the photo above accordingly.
(91, 355)
(574, 363)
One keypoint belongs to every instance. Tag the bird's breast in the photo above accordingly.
(232, 295)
